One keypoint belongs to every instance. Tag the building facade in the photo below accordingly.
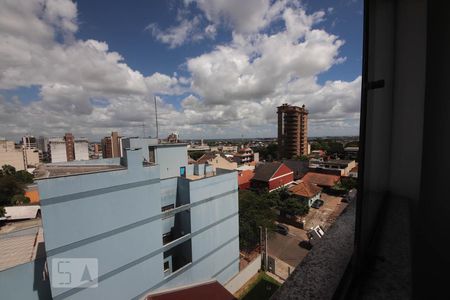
(245, 155)
(151, 225)
(70, 146)
(306, 191)
(217, 161)
(31, 157)
(292, 131)
(20, 158)
(339, 167)
(271, 176)
(81, 149)
(112, 146)
(57, 150)
(29, 142)
(9, 155)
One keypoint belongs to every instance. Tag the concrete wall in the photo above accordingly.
(143, 143)
(13, 158)
(222, 163)
(7, 146)
(93, 162)
(169, 156)
(244, 275)
(171, 159)
(282, 269)
(58, 152)
(32, 157)
(168, 191)
(81, 150)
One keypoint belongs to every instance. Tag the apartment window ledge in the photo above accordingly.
(177, 241)
(319, 274)
(175, 273)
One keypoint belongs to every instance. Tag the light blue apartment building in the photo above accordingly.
(152, 221)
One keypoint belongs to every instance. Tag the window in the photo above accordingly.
(151, 155)
(167, 238)
(167, 207)
(166, 266)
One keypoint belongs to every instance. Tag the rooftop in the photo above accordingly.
(264, 172)
(21, 246)
(207, 290)
(338, 162)
(53, 170)
(321, 179)
(245, 176)
(305, 189)
(211, 155)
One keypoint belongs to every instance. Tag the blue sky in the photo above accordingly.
(85, 38)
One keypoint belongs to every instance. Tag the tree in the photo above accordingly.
(335, 148)
(12, 184)
(254, 211)
(303, 158)
(272, 199)
(9, 186)
(283, 193)
(2, 211)
(347, 183)
(20, 200)
(352, 144)
(24, 177)
(8, 170)
(268, 153)
(293, 207)
(272, 151)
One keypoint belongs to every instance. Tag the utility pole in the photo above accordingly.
(267, 263)
(156, 118)
(261, 243)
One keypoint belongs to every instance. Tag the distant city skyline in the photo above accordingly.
(218, 68)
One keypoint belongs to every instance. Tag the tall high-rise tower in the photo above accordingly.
(70, 147)
(112, 145)
(292, 131)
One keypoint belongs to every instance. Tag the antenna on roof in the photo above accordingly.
(156, 118)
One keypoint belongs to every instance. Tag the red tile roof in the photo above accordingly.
(210, 291)
(321, 179)
(305, 189)
(245, 176)
(265, 171)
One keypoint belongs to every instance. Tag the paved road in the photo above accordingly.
(286, 248)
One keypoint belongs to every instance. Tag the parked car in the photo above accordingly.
(283, 229)
(349, 196)
(318, 203)
(305, 245)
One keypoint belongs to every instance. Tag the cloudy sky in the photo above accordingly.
(219, 68)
